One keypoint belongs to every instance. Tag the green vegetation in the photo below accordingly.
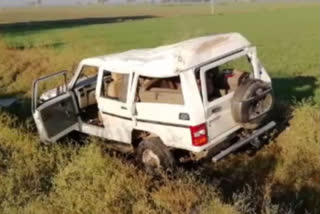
(69, 177)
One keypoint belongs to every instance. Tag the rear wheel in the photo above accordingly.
(154, 156)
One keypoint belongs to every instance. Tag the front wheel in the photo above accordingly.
(154, 156)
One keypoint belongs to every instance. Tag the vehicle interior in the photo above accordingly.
(224, 79)
(219, 81)
(160, 90)
(84, 90)
(115, 86)
(222, 82)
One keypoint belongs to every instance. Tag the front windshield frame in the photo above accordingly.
(78, 73)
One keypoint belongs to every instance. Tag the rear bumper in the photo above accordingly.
(243, 142)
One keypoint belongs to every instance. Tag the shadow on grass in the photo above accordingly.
(289, 89)
(29, 45)
(304, 200)
(238, 171)
(25, 27)
(21, 108)
(250, 179)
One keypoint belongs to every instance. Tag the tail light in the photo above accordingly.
(199, 135)
(229, 75)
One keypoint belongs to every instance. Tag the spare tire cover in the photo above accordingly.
(242, 111)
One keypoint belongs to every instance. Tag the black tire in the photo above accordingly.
(242, 112)
(161, 160)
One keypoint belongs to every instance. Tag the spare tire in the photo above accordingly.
(251, 102)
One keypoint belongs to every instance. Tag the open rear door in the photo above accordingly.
(56, 113)
(217, 108)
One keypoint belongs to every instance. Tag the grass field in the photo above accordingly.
(282, 177)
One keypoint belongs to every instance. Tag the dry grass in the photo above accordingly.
(70, 178)
(85, 179)
(285, 172)
(19, 68)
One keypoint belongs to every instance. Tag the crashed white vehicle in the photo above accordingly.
(207, 95)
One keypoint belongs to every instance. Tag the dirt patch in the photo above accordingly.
(208, 45)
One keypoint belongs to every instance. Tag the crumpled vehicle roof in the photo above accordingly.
(170, 60)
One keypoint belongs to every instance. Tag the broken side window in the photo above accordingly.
(225, 78)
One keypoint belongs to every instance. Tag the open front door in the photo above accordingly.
(56, 111)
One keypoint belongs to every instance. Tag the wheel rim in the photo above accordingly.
(150, 159)
(260, 106)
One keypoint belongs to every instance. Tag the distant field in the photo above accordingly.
(10, 15)
(286, 38)
(63, 178)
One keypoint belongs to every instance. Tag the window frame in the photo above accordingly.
(100, 87)
(207, 67)
(135, 89)
(79, 72)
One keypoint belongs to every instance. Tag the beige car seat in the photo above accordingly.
(164, 92)
(237, 78)
(118, 87)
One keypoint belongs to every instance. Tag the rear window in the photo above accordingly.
(241, 63)
(160, 90)
(225, 78)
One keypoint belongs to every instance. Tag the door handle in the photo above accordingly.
(124, 108)
(216, 110)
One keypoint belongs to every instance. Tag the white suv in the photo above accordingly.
(205, 94)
